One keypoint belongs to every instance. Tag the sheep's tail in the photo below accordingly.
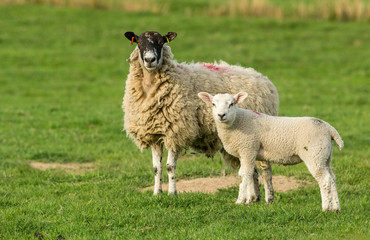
(335, 136)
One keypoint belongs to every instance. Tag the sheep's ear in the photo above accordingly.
(132, 37)
(206, 97)
(240, 97)
(169, 37)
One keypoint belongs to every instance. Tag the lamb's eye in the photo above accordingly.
(232, 104)
(213, 105)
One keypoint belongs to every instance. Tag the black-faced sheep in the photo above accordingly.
(252, 136)
(162, 108)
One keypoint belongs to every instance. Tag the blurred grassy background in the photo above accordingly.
(342, 10)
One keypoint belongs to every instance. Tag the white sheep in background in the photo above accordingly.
(162, 108)
(252, 136)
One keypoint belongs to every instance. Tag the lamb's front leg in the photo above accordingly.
(171, 167)
(157, 168)
(247, 191)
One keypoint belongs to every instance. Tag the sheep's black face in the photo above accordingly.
(151, 47)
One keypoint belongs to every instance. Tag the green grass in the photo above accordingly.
(62, 74)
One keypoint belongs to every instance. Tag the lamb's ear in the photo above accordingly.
(132, 37)
(206, 97)
(169, 37)
(239, 97)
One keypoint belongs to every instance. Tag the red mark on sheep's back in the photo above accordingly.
(213, 67)
(180, 66)
(256, 113)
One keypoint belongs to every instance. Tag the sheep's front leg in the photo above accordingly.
(247, 191)
(171, 167)
(157, 168)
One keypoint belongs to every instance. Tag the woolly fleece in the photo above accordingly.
(252, 136)
(172, 113)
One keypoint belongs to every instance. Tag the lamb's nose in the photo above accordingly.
(149, 59)
(222, 116)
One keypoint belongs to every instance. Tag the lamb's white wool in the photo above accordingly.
(162, 108)
(252, 136)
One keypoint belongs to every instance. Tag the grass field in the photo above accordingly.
(62, 74)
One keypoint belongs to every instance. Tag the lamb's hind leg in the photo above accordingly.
(323, 177)
(267, 180)
(334, 192)
(157, 168)
(171, 167)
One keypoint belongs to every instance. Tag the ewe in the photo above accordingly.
(162, 108)
(252, 136)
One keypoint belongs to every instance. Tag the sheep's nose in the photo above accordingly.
(222, 116)
(149, 59)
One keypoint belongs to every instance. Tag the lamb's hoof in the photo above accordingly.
(336, 208)
(251, 200)
(333, 209)
(241, 201)
(326, 209)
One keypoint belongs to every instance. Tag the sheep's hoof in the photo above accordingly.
(270, 200)
(159, 192)
(172, 192)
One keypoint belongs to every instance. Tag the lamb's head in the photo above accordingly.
(224, 105)
(150, 45)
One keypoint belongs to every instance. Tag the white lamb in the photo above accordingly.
(162, 108)
(252, 136)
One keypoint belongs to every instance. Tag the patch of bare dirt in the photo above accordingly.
(211, 185)
(69, 167)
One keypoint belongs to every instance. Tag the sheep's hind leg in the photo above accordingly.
(171, 167)
(157, 168)
(256, 185)
(267, 180)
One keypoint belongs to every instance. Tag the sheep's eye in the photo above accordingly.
(232, 104)
(213, 105)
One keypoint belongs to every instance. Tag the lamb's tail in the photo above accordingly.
(335, 136)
